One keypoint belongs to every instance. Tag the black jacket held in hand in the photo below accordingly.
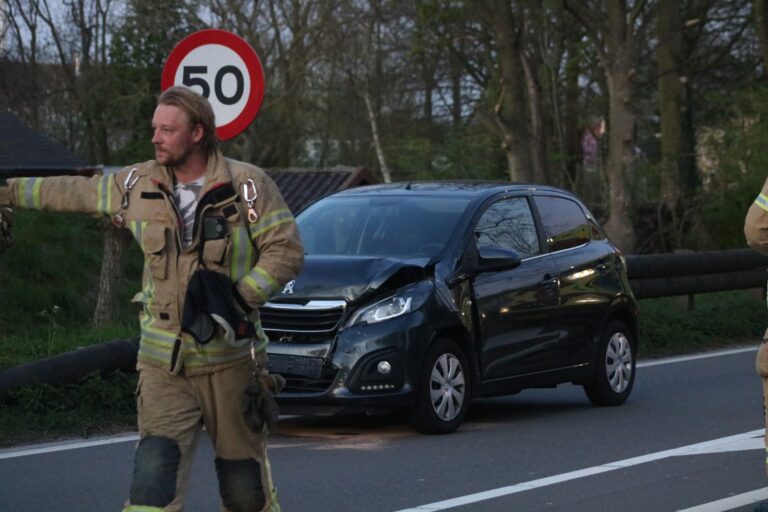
(210, 301)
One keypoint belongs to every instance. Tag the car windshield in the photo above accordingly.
(400, 226)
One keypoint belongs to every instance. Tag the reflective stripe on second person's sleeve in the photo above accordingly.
(29, 193)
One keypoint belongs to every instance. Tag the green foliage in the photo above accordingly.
(96, 405)
(667, 327)
(734, 149)
(42, 271)
(465, 153)
(49, 281)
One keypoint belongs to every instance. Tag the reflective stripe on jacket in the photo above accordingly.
(260, 256)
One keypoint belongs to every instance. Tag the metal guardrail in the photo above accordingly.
(690, 273)
(653, 275)
(104, 358)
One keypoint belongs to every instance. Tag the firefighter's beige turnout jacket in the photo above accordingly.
(260, 254)
(756, 223)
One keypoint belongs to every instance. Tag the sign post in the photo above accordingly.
(225, 69)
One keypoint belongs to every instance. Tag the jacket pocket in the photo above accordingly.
(215, 252)
(155, 246)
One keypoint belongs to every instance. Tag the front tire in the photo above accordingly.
(614, 374)
(442, 397)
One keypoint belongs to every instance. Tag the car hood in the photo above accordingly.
(349, 277)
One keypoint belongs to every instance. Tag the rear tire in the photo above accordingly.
(442, 396)
(614, 374)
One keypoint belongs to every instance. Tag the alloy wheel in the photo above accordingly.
(447, 387)
(618, 362)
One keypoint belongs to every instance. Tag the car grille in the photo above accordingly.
(295, 384)
(311, 322)
(314, 317)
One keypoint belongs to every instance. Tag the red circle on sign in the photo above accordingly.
(244, 51)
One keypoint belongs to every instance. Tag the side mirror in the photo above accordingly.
(489, 259)
(495, 259)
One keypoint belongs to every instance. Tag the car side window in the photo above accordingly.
(565, 224)
(509, 224)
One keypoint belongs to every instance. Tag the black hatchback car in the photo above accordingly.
(424, 295)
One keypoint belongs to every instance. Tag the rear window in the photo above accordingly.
(565, 224)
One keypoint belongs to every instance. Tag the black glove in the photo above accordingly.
(259, 406)
(6, 225)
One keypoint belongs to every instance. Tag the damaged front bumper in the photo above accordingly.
(370, 367)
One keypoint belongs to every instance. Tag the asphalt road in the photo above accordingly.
(689, 438)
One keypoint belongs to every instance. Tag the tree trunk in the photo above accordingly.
(511, 114)
(537, 133)
(671, 100)
(572, 128)
(761, 24)
(456, 69)
(376, 139)
(429, 84)
(678, 163)
(111, 273)
(621, 125)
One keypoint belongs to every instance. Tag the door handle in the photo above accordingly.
(549, 281)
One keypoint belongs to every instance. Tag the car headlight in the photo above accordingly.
(383, 310)
(407, 299)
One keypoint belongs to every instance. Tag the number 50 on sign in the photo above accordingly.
(225, 69)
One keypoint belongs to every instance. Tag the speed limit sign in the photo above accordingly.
(225, 69)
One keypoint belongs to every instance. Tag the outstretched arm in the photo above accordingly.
(94, 195)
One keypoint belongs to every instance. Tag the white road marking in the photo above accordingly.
(694, 357)
(746, 441)
(731, 503)
(11, 453)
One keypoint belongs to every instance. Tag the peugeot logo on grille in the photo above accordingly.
(288, 289)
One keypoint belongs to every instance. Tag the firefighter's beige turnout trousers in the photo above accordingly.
(170, 424)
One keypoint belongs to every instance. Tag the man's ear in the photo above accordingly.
(198, 132)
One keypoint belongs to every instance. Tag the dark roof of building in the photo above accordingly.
(301, 186)
(28, 152)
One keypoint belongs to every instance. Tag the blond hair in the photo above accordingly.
(198, 110)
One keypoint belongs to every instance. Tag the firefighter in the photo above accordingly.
(756, 232)
(218, 241)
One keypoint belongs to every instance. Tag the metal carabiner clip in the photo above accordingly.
(131, 179)
(130, 182)
(250, 194)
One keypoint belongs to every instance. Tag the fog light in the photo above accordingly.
(384, 367)
(377, 387)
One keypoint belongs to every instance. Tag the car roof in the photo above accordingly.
(458, 188)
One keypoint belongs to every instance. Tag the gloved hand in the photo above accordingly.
(241, 306)
(258, 406)
(6, 224)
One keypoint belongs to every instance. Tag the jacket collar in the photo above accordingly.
(216, 173)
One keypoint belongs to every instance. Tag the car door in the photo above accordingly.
(584, 264)
(517, 309)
